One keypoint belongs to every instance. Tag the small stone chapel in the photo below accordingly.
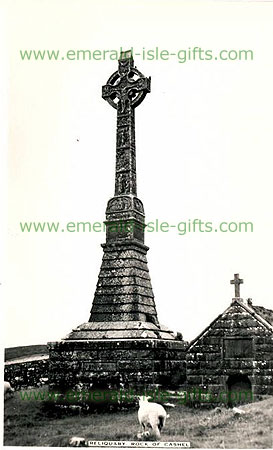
(235, 352)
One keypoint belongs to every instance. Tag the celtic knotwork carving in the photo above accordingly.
(119, 204)
(125, 182)
(124, 203)
(124, 121)
(122, 137)
(125, 90)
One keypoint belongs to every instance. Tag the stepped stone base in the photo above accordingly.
(115, 363)
(124, 291)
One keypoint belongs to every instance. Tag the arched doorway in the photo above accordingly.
(239, 389)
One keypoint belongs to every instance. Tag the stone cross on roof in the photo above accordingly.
(237, 281)
(124, 91)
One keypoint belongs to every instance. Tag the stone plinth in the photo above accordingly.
(111, 363)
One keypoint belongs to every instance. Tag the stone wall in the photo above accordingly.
(111, 364)
(31, 373)
(212, 359)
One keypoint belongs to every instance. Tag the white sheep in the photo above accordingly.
(77, 442)
(151, 416)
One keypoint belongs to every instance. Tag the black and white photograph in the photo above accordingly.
(137, 234)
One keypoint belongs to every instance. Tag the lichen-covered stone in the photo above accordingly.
(133, 363)
(31, 373)
(238, 345)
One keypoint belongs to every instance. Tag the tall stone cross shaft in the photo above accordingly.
(125, 90)
(124, 299)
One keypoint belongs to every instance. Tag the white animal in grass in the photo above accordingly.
(238, 412)
(8, 390)
(77, 442)
(151, 416)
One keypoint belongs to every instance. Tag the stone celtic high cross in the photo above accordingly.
(123, 305)
(125, 90)
(123, 343)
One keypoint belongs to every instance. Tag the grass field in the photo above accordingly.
(26, 424)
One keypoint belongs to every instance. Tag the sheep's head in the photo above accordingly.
(143, 399)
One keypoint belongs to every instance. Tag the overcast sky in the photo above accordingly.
(204, 151)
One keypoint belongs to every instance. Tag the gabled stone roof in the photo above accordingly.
(261, 314)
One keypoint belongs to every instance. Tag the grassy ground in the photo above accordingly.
(26, 424)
